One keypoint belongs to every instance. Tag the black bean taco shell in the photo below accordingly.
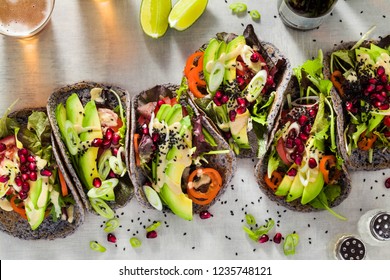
(273, 58)
(12, 223)
(357, 159)
(225, 164)
(262, 165)
(124, 191)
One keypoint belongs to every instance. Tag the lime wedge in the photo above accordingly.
(185, 12)
(154, 17)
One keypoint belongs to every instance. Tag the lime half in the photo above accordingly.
(185, 12)
(154, 17)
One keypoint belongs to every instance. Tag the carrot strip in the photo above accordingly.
(20, 210)
(136, 149)
(274, 181)
(336, 78)
(64, 187)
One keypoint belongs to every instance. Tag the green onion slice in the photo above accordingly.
(94, 245)
(135, 242)
(111, 225)
(102, 208)
(290, 242)
(238, 7)
(250, 220)
(153, 226)
(255, 15)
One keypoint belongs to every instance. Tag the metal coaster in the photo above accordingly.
(350, 248)
(380, 226)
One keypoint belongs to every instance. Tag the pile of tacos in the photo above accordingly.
(174, 146)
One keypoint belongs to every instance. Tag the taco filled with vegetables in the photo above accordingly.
(178, 161)
(303, 169)
(238, 81)
(89, 123)
(360, 74)
(37, 199)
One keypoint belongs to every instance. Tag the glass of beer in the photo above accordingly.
(305, 14)
(24, 18)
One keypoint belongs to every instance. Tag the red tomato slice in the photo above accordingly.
(282, 152)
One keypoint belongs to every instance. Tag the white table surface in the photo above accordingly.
(102, 41)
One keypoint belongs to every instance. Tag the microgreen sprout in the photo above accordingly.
(250, 220)
(255, 234)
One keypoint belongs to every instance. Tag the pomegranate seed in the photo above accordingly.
(289, 143)
(32, 166)
(312, 163)
(380, 71)
(217, 101)
(22, 159)
(22, 151)
(25, 177)
(387, 183)
(106, 144)
(18, 180)
(160, 102)
(384, 107)
(377, 104)
(218, 94)
(264, 238)
(383, 93)
(241, 110)
(277, 238)
(300, 148)
(155, 137)
(228, 135)
(97, 183)
(3, 147)
(378, 88)
(224, 99)
(109, 133)
(115, 139)
(151, 234)
(348, 105)
(4, 178)
(23, 169)
(293, 156)
(111, 238)
(307, 129)
(33, 176)
(25, 187)
(298, 141)
(111, 174)
(23, 195)
(387, 87)
(384, 79)
(97, 142)
(312, 113)
(31, 158)
(145, 130)
(378, 97)
(46, 172)
(240, 81)
(370, 88)
(241, 101)
(232, 115)
(373, 81)
(293, 133)
(204, 215)
(303, 136)
(303, 120)
(114, 151)
(298, 159)
(387, 134)
(292, 172)
(269, 81)
(386, 121)
(255, 57)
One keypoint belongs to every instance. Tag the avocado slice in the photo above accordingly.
(87, 163)
(238, 129)
(210, 55)
(286, 183)
(174, 115)
(180, 204)
(313, 189)
(233, 49)
(296, 189)
(74, 110)
(36, 202)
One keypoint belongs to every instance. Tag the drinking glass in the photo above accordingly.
(305, 14)
(24, 18)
